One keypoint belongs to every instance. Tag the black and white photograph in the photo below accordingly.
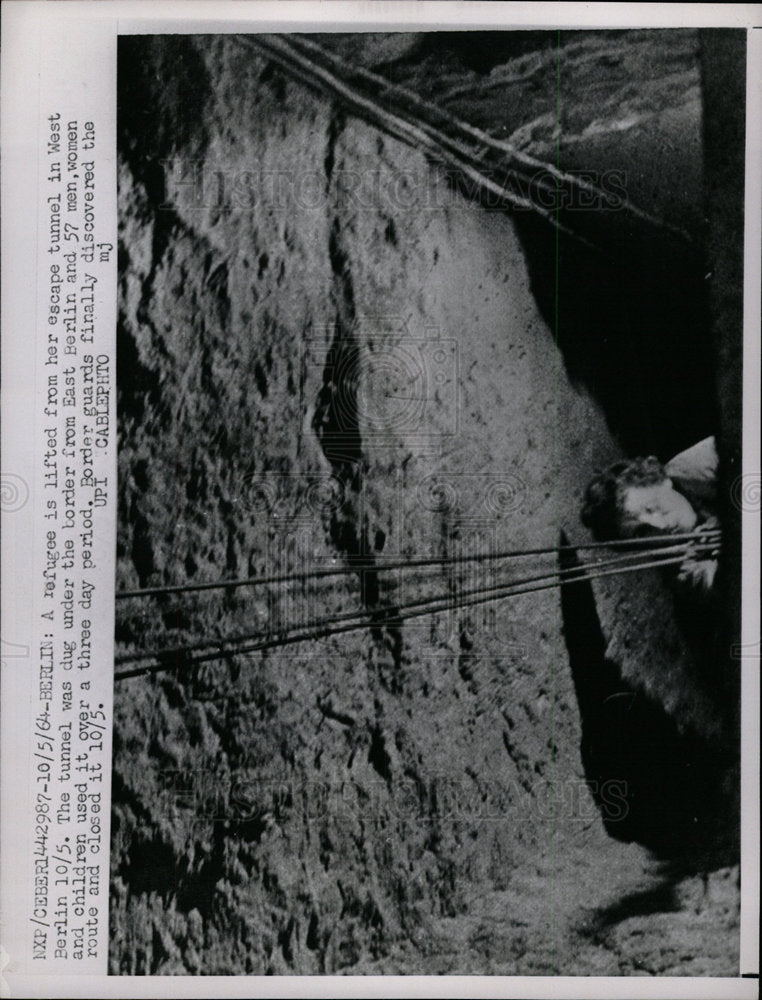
(430, 489)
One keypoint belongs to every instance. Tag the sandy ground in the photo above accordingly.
(405, 800)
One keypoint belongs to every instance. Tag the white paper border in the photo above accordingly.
(20, 54)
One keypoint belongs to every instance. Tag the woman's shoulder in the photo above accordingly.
(694, 471)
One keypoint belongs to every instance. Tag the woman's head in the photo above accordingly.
(635, 498)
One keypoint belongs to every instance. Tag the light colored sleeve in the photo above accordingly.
(694, 473)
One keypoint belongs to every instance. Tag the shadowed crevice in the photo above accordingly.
(652, 784)
(336, 423)
(632, 328)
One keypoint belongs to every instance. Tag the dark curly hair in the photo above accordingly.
(602, 509)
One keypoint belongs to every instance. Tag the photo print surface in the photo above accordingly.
(428, 552)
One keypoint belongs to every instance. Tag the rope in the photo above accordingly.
(398, 616)
(353, 621)
(359, 563)
(323, 78)
(464, 128)
(418, 135)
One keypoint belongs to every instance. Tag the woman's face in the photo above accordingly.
(658, 507)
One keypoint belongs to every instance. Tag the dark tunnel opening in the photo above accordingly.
(632, 326)
(672, 792)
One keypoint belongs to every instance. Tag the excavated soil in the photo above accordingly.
(406, 799)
